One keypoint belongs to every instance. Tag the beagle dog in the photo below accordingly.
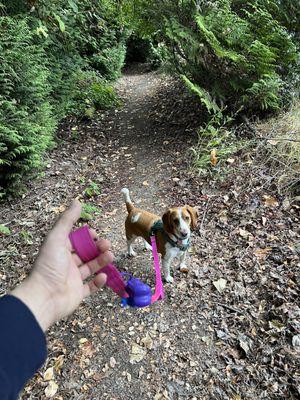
(172, 232)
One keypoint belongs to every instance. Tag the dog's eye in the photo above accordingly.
(186, 218)
(176, 221)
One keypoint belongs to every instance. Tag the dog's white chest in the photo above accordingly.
(171, 251)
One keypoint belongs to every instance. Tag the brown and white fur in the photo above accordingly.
(178, 223)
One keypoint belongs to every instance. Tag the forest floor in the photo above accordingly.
(204, 341)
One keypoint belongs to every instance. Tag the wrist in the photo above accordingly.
(36, 297)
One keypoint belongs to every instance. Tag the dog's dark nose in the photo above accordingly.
(184, 233)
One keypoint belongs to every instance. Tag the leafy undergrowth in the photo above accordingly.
(229, 329)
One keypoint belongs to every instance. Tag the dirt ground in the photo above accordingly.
(230, 327)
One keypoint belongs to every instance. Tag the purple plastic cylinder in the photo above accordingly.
(139, 293)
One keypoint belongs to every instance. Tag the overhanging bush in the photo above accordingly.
(236, 53)
(26, 120)
(46, 48)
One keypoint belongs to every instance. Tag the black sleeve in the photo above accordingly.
(22, 346)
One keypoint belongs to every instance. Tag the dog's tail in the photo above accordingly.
(127, 199)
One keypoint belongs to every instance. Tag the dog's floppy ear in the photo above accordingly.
(194, 216)
(166, 219)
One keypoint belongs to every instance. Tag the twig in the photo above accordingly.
(230, 308)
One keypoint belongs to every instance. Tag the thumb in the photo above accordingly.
(65, 223)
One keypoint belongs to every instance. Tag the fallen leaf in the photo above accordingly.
(51, 389)
(272, 142)
(83, 340)
(58, 210)
(245, 343)
(88, 349)
(147, 342)
(58, 363)
(244, 346)
(112, 362)
(270, 201)
(220, 284)
(296, 341)
(275, 324)
(244, 234)
(213, 157)
(128, 375)
(49, 374)
(4, 230)
(145, 183)
(262, 253)
(137, 353)
(223, 216)
(230, 160)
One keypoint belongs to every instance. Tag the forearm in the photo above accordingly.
(22, 346)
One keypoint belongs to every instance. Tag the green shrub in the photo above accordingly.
(26, 120)
(92, 94)
(238, 53)
(110, 61)
(49, 56)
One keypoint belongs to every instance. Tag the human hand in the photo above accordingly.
(56, 285)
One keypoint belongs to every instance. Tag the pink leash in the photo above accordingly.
(87, 250)
(159, 289)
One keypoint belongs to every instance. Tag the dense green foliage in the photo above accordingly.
(229, 52)
(56, 58)
(26, 117)
(60, 57)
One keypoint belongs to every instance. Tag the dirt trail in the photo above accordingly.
(130, 147)
(198, 344)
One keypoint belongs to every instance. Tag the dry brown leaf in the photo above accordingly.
(213, 157)
(137, 353)
(262, 253)
(270, 201)
(49, 374)
(51, 389)
(147, 342)
(58, 363)
(88, 349)
(145, 183)
(60, 209)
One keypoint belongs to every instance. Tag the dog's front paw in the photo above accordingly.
(183, 268)
(169, 279)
